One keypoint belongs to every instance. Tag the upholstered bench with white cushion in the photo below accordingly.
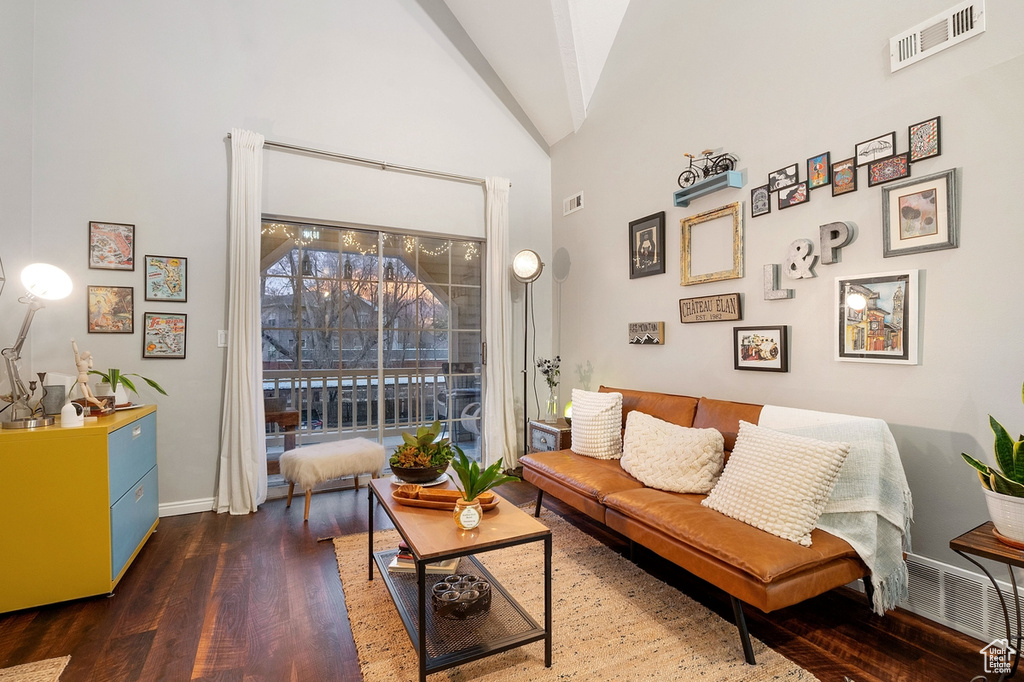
(313, 464)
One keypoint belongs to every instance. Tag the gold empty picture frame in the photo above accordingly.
(712, 245)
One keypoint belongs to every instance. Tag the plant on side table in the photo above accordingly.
(422, 458)
(115, 379)
(471, 483)
(1004, 488)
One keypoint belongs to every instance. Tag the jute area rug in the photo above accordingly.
(40, 671)
(611, 620)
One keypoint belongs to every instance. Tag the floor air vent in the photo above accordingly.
(962, 600)
(953, 26)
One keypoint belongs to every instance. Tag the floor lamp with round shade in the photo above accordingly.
(46, 282)
(526, 267)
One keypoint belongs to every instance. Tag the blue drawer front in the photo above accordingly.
(131, 452)
(131, 517)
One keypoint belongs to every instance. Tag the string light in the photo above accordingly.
(349, 240)
(303, 236)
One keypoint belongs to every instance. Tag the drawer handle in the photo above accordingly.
(136, 431)
(139, 492)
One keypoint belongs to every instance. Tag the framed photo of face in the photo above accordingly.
(647, 246)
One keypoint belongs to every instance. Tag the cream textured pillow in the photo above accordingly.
(671, 457)
(778, 482)
(597, 424)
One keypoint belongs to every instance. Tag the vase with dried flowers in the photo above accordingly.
(549, 369)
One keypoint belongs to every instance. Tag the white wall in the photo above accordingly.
(133, 102)
(16, 169)
(776, 83)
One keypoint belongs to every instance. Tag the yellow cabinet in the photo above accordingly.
(77, 506)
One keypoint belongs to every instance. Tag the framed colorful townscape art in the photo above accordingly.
(921, 214)
(166, 278)
(164, 335)
(876, 318)
(111, 246)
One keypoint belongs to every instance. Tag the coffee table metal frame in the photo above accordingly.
(414, 614)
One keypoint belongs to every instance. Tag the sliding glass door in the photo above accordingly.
(370, 333)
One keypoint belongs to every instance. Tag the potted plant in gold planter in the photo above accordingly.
(1004, 488)
(471, 483)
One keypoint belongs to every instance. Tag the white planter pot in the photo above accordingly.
(120, 394)
(1007, 514)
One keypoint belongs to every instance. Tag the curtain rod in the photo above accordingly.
(383, 165)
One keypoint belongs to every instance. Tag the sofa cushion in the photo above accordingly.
(677, 409)
(593, 478)
(778, 482)
(725, 415)
(764, 557)
(670, 457)
(596, 424)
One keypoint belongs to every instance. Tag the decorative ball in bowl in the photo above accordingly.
(418, 474)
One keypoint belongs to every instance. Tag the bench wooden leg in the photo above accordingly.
(869, 591)
(741, 625)
(540, 498)
(291, 489)
(309, 494)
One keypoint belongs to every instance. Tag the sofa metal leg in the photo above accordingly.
(741, 625)
(869, 591)
(540, 497)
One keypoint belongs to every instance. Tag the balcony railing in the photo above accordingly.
(367, 403)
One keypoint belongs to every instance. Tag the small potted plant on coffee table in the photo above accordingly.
(471, 483)
(422, 458)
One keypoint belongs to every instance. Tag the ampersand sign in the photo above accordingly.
(799, 261)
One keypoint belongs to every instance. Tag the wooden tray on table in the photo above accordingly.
(417, 496)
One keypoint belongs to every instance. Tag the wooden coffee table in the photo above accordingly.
(433, 536)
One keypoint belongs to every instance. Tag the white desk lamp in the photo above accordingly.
(47, 282)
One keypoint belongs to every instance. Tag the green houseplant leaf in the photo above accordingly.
(116, 377)
(471, 480)
(1009, 455)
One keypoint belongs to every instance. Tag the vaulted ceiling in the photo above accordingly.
(547, 54)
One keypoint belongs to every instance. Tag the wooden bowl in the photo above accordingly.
(418, 474)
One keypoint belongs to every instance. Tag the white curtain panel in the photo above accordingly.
(499, 432)
(242, 484)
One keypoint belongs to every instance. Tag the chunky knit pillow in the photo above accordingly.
(778, 482)
(597, 424)
(671, 457)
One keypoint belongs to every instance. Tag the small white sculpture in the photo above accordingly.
(83, 361)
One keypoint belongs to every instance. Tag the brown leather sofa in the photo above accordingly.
(752, 566)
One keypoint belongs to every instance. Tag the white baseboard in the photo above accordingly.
(186, 507)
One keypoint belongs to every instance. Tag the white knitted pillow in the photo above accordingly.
(597, 424)
(671, 457)
(778, 482)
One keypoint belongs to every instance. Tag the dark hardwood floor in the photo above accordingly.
(216, 597)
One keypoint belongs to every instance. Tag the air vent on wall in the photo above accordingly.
(953, 26)
(572, 204)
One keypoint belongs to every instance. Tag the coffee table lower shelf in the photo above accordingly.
(506, 625)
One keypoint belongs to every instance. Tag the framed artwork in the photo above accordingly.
(784, 177)
(761, 349)
(876, 318)
(887, 170)
(647, 333)
(166, 278)
(819, 170)
(712, 245)
(924, 139)
(876, 148)
(922, 214)
(164, 335)
(111, 309)
(111, 246)
(791, 196)
(760, 201)
(647, 246)
(844, 176)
